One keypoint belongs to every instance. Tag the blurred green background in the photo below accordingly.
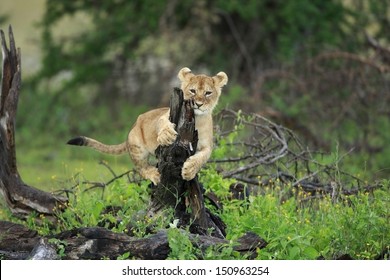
(90, 67)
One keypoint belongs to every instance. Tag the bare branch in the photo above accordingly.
(266, 152)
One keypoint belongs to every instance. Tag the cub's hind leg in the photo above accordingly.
(139, 154)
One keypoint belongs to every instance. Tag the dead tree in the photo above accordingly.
(21, 198)
(186, 197)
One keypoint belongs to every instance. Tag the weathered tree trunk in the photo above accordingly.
(186, 197)
(21, 198)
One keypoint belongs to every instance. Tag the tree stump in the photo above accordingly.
(186, 197)
(21, 198)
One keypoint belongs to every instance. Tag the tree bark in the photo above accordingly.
(186, 197)
(21, 198)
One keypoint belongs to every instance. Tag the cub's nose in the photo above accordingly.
(199, 104)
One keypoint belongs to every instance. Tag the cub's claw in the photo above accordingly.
(154, 177)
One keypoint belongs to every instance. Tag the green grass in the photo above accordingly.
(357, 225)
(52, 166)
(325, 229)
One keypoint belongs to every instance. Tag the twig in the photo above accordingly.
(108, 167)
(100, 184)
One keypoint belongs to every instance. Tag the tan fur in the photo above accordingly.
(153, 128)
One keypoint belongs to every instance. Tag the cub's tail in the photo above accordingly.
(108, 149)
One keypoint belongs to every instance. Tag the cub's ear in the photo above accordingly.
(220, 79)
(184, 74)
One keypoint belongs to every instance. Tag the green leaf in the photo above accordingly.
(293, 252)
(310, 253)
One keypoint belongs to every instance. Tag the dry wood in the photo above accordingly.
(16, 240)
(21, 198)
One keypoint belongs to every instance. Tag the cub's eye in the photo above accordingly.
(193, 91)
(208, 93)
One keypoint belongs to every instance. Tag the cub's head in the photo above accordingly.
(204, 90)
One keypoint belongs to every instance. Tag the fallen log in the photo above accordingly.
(18, 242)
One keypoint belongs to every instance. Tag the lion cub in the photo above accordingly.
(153, 128)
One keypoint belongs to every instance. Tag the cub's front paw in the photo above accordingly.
(189, 170)
(167, 135)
